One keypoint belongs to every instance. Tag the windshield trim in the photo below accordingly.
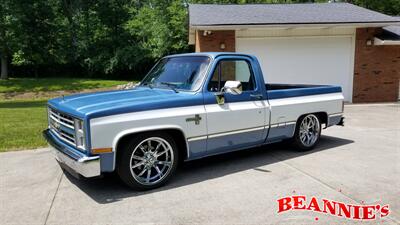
(206, 71)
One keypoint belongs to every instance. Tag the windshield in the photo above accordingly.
(183, 73)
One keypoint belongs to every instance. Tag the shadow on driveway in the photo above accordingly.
(110, 189)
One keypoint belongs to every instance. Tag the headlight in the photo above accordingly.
(80, 134)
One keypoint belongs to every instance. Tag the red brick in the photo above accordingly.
(376, 69)
(212, 42)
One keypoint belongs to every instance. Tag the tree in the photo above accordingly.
(5, 36)
(390, 7)
(36, 32)
(107, 47)
(158, 28)
(106, 37)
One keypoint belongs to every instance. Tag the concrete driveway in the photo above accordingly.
(358, 163)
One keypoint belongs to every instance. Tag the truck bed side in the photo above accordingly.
(275, 91)
(289, 102)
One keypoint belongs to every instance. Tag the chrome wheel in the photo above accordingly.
(151, 160)
(309, 130)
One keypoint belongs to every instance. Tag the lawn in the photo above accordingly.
(21, 124)
(54, 84)
(23, 119)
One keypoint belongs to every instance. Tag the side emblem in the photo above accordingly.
(196, 119)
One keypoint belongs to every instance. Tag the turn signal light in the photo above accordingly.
(101, 150)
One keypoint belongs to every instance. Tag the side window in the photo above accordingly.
(232, 70)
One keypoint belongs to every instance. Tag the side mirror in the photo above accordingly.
(233, 87)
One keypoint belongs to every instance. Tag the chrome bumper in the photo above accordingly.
(87, 166)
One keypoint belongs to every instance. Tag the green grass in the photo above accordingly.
(22, 119)
(54, 84)
(21, 124)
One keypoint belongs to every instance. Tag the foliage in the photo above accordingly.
(113, 38)
(54, 84)
(390, 7)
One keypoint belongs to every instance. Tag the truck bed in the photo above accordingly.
(275, 91)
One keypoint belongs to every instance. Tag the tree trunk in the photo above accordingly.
(4, 67)
(36, 71)
(69, 13)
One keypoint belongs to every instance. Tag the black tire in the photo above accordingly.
(298, 139)
(130, 176)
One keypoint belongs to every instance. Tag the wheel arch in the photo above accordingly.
(322, 116)
(176, 132)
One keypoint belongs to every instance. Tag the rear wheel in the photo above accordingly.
(308, 132)
(148, 161)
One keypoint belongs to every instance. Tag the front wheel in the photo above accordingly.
(308, 132)
(148, 161)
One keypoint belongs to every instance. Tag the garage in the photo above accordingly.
(304, 60)
(323, 43)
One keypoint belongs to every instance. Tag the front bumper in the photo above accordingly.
(87, 166)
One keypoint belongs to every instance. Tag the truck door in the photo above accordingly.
(240, 121)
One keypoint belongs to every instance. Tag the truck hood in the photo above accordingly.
(99, 104)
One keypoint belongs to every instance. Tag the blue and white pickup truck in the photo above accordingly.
(188, 106)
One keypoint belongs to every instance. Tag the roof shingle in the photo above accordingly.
(270, 14)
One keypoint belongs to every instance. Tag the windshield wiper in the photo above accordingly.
(170, 85)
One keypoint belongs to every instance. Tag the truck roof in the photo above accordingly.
(211, 54)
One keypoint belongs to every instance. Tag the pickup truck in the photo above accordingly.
(187, 107)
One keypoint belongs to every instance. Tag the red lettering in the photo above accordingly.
(368, 212)
(284, 204)
(345, 209)
(356, 210)
(314, 205)
(330, 206)
(385, 210)
(298, 202)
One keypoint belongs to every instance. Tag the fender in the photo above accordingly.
(136, 130)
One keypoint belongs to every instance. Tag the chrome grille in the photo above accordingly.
(62, 125)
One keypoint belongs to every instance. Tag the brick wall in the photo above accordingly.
(212, 42)
(376, 69)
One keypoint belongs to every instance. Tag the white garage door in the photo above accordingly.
(304, 60)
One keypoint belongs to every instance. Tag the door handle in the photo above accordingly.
(256, 96)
